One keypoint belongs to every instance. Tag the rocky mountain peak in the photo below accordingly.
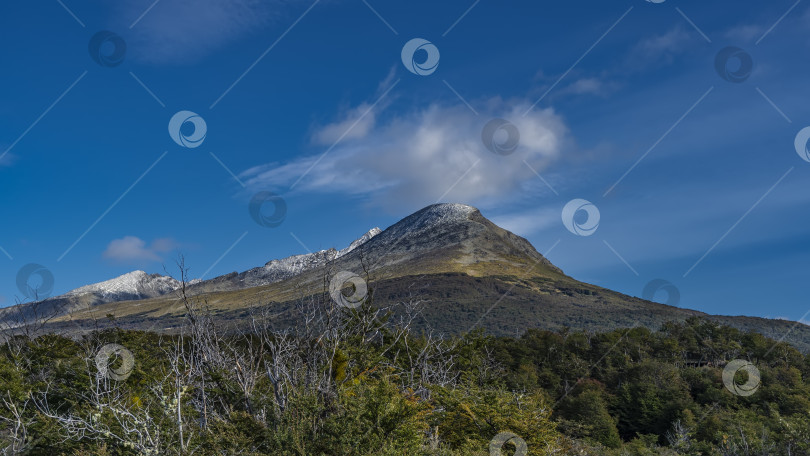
(135, 284)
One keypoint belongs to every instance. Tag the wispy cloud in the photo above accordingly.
(660, 49)
(529, 222)
(589, 86)
(744, 34)
(182, 31)
(649, 53)
(672, 41)
(131, 249)
(7, 159)
(356, 122)
(414, 159)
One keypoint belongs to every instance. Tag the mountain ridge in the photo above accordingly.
(471, 273)
(139, 285)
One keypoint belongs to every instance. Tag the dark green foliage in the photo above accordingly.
(624, 392)
(584, 414)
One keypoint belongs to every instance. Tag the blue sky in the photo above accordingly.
(312, 101)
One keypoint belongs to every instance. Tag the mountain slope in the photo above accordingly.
(468, 272)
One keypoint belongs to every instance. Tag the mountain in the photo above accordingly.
(135, 285)
(138, 285)
(466, 272)
(277, 270)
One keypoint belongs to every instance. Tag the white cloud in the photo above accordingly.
(133, 249)
(660, 49)
(671, 41)
(180, 31)
(416, 159)
(357, 122)
(744, 34)
(7, 159)
(529, 222)
(588, 86)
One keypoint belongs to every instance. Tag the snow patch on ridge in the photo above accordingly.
(358, 242)
(285, 268)
(135, 283)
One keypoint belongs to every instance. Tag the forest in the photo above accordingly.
(362, 381)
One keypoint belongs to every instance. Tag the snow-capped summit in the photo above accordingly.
(428, 222)
(133, 285)
(444, 212)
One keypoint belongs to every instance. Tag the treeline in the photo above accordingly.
(639, 392)
(358, 381)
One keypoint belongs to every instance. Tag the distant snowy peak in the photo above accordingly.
(302, 262)
(357, 243)
(299, 263)
(136, 284)
(291, 266)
